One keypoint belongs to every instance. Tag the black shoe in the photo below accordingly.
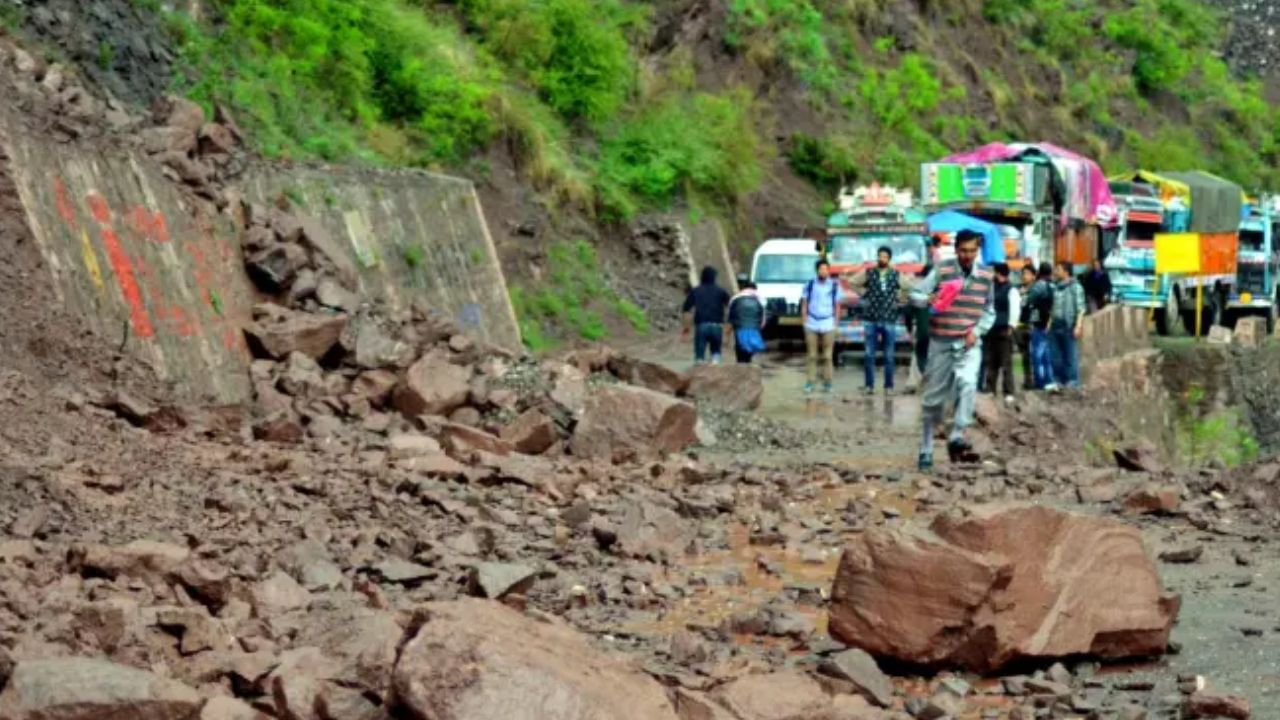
(959, 451)
(925, 463)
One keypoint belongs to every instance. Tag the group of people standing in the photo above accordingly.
(967, 319)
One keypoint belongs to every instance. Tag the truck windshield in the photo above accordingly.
(1141, 232)
(862, 249)
(784, 268)
(1251, 240)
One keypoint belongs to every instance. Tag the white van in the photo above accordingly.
(780, 269)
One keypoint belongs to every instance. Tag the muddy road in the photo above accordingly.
(862, 450)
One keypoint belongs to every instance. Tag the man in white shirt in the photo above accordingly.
(819, 306)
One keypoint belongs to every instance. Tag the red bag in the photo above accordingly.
(947, 293)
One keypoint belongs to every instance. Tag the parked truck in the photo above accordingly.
(866, 219)
(1196, 208)
(1257, 264)
(1056, 200)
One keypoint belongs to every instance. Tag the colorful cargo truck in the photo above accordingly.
(866, 219)
(1198, 210)
(1057, 200)
(1257, 264)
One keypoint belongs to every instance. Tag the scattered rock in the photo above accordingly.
(1153, 499)
(786, 695)
(1183, 555)
(532, 433)
(88, 689)
(1211, 705)
(311, 335)
(732, 387)
(494, 580)
(432, 386)
(652, 376)
(860, 669)
(1142, 456)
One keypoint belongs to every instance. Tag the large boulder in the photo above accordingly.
(1001, 584)
(532, 433)
(478, 660)
(631, 420)
(733, 387)
(88, 689)
(432, 386)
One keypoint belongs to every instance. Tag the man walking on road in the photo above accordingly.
(880, 290)
(997, 344)
(1066, 327)
(704, 311)
(818, 306)
(960, 295)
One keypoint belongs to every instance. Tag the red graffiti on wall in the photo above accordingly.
(65, 208)
(122, 266)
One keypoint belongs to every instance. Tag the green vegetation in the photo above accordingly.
(609, 109)
(1220, 437)
(414, 256)
(569, 298)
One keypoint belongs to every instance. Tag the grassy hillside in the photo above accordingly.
(613, 107)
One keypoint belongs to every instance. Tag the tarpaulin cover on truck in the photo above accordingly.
(1216, 203)
(951, 221)
(1079, 189)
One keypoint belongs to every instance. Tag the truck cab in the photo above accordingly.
(1254, 292)
(1131, 264)
(780, 269)
(866, 219)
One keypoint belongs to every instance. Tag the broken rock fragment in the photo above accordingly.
(999, 584)
(630, 420)
(432, 386)
(732, 387)
(312, 335)
(87, 689)
(464, 665)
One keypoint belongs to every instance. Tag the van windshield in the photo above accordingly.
(784, 268)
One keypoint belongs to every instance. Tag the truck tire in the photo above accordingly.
(1271, 317)
(1164, 322)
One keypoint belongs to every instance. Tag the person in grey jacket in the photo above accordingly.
(1066, 325)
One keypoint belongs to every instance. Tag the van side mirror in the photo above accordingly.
(743, 279)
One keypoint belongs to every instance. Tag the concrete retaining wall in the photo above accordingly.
(1112, 332)
(142, 264)
(137, 262)
(413, 235)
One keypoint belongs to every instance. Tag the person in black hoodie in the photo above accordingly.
(747, 317)
(704, 310)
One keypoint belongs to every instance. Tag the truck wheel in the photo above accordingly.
(1271, 318)
(1164, 322)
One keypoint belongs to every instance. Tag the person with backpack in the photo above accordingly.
(1040, 298)
(704, 314)
(959, 294)
(819, 306)
(747, 317)
(880, 291)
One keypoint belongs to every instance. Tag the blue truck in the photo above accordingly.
(1254, 292)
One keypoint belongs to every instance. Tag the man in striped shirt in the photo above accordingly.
(955, 343)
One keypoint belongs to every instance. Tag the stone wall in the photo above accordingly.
(413, 235)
